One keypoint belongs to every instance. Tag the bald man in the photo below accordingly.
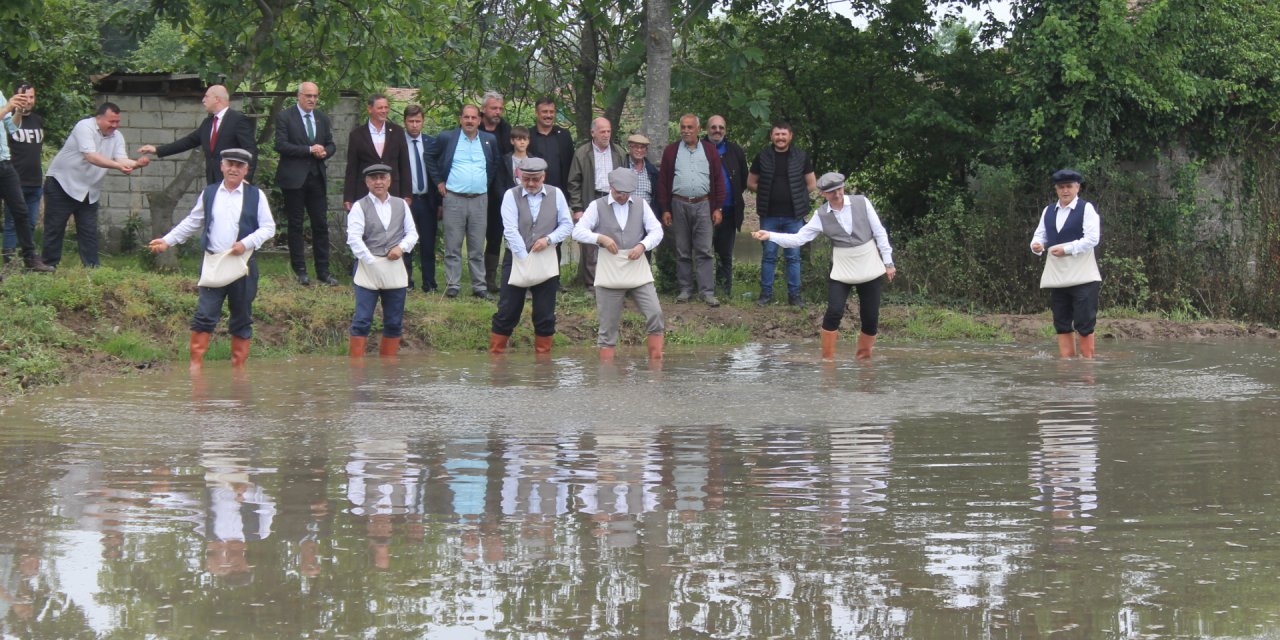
(224, 128)
(588, 182)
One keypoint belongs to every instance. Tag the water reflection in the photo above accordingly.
(940, 493)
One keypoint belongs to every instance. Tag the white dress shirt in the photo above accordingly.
(379, 137)
(844, 216)
(225, 224)
(355, 228)
(511, 219)
(1092, 228)
(604, 164)
(584, 232)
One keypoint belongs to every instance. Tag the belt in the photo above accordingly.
(464, 195)
(690, 200)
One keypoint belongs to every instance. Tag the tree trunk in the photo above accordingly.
(588, 69)
(657, 78)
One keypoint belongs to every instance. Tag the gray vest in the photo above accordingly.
(381, 240)
(861, 225)
(608, 225)
(546, 223)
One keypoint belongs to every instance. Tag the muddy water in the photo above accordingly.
(940, 492)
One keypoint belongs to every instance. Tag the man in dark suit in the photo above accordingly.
(225, 128)
(464, 163)
(379, 142)
(425, 206)
(304, 140)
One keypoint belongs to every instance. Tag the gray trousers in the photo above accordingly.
(609, 303)
(692, 228)
(464, 218)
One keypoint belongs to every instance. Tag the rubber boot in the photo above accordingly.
(491, 273)
(656, 342)
(1087, 345)
(239, 351)
(865, 343)
(606, 354)
(498, 344)
(542, 345)
(357, 345)
(829, 344)
(199, 347)
(388, 346)
(1067, 345)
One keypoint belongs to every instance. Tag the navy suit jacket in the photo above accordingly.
(236, 131)
(440, 155)
(294, 147)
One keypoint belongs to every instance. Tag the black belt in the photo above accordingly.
(690, 200)
(464, 195)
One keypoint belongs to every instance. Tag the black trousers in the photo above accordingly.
(511, 303)
(1075, 308)
(868, 304)
(309, 201)
(11, 194)
(423, 210)
(58, 210)
(723, 237)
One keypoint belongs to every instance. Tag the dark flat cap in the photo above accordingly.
(375, 169)
(533, 165)
(831, 181)
(1063, 176)
(237, 155)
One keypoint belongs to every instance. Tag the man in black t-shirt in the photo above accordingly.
(782, 179)
(26, 145)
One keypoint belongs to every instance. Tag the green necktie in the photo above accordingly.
(311, 130)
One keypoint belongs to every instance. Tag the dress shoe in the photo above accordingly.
(304, 280)
(483, 295)
(764, 301)
(34, 264)
(430, 289)
(711, 300)
(795, 301)
(328, 281)
(451, 292)
(683, 297)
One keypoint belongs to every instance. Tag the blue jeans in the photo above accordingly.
(770, 259)
(392, 311)
(32, 196)
(239, 296)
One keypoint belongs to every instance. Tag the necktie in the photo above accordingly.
(213, 135)
(311, 131)
(419, 178)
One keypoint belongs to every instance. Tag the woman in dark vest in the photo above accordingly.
(861, 259)
(1070, 228)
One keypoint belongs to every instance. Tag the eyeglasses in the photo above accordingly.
(716, 128)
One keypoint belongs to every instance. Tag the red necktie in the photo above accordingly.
(213, 135)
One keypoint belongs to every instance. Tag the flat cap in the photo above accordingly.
(375, 169)
(1063, 176)
(623, 180)
(533, 165)
(636, 138)
(237, 155)
(831, 181)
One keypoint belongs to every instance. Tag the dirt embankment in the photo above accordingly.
(1028, 328)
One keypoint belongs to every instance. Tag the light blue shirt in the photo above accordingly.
(469, 173)
(511, 219)
(9, 128)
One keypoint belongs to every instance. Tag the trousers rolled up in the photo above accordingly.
(300, 205)
(16, 203)
(239, 297)
(59, 208)
(465, 219)
(691, 226)
(868, 304)
(1075, 308)
(392, 311)
(511, 303)
(609, 304)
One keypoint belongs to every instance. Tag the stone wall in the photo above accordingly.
(163, 193)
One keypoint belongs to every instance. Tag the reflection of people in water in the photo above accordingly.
(239, 512)
(382, 487)
(1064, 469)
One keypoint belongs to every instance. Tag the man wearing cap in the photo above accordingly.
(646, 172)
(380, 231)
(624, 226)
(73, 183)
(733, 161)
(11, 182)
(1069, 229)
(535, 218)
(464, 163)
(231, 217)
(781, 177)
(691, 202)
(588, 181)
(861, 259)
(304, 141)
(224, 128)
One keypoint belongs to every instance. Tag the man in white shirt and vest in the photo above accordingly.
(1069, 229)
(379, 226)
(230, 216)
